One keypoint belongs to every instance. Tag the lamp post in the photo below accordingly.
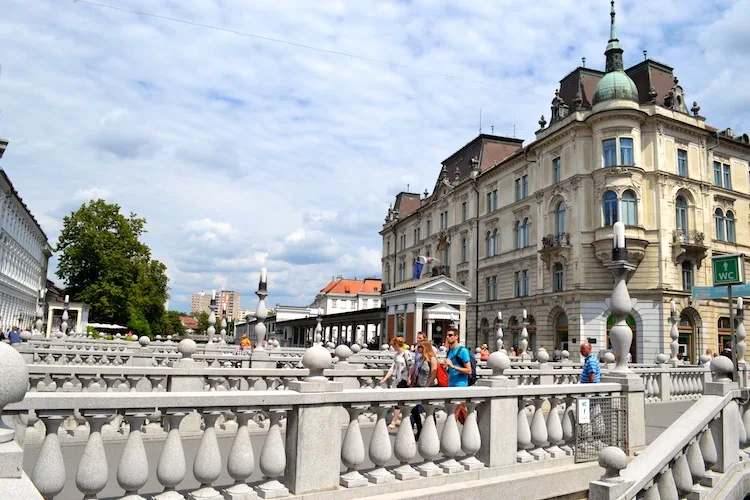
(674, 334)
(40, 311)
(262, 312)
(621, 336)
(500, 346)
(65, 317)
(211, 331)
(223, 331)
(525, 336)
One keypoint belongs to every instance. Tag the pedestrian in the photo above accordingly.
(399, 370)
(457, 360)
(557, 354)
(425, 376)
(14, 336)
(592, 370)
(484, 353)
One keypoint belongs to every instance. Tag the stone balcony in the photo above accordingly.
(636, 242)
(688, 246)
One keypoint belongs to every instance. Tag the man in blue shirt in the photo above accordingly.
(592, 371)
(457, 360)
(14, 336)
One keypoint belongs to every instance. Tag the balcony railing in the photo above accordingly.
(556, 240)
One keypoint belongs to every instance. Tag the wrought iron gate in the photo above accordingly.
(601, 421)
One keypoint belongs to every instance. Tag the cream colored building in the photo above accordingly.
(531, 227)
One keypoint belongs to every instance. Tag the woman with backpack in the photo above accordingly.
(399, 370)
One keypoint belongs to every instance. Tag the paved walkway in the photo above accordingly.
(659, 416)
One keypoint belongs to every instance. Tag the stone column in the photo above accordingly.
(310, 446)
(417, 322)
(430, 324)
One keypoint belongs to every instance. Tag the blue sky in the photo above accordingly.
(242, 153)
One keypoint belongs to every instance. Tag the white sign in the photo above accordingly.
(584, 411)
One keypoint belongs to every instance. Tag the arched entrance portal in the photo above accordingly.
(686, 342)
(630, 320)
(561, 331)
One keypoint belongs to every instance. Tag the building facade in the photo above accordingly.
(342, 295)
(533, 230)
(24, 255)
(228, 302)
(200, 302)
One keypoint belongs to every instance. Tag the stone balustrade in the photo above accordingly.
(696, 457)
(505, 425)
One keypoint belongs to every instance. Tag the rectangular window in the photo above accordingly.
(687, 277)
(463, 212)
(609, 151)
(525, 276)
(429, 227)
(525, 186)
(557, 281)
(495, 295)
(416, 237)
(494, 199)
(518, 284)
(487, 289)
(354, 304)
(727, 177)
(717, 174)
(489, 202)
(626, 151)
(556, 170)
(333, 302)
(682, 167)
(518, 189)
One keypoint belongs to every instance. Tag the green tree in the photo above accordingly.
(172, 323)
(138, 325)
(104, 264)
(202, 318)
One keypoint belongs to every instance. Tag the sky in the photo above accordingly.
(243, 152)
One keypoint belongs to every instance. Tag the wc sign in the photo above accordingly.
(729, 269)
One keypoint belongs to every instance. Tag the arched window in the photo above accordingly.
(560, 218)
(517, 230)
(561, 331)
(488, 244)
(719, 223)
(495, 242)
(526, 232)
(609, 207)
(730, 226)
(629, 208)
(681, 216)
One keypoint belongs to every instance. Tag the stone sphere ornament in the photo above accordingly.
(187, 348)
(613, 460)
(498, 362)
(13, 383)
(316, 359)
(722, 369)
(343, 353)
(144, 340)
(661, 358)
(25, 335)
(542, 356)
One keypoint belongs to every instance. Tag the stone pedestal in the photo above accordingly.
(633, 389)
(262, 360)
(313, 442)
(497, 420)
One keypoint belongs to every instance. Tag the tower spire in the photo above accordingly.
(614, 49)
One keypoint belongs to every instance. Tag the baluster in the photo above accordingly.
(666, 486)
(524, 434)
(429, 442)
(92, 473)
(207, 464)
(273, 458)
(353, 449)
(241, 461)
(682, 477)
(49, 471)
(132, 471)
(568, 427)
(651, 492)
(450, 440)
(657, 389)
(405, 446)
(471, 439)
(380, 447)
(696, 465)
(539, 431)
(171, 468)
(554, 430)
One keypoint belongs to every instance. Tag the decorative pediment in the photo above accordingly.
(443, 285)
(521, 212)
(724, 201)
(491, 223)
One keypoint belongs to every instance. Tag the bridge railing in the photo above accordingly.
(690, 456)
(303, 449)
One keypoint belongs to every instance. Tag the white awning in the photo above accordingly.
(107, 326)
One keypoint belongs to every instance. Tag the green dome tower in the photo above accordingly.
(615, 84)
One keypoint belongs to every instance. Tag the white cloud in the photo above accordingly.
(243, 153)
